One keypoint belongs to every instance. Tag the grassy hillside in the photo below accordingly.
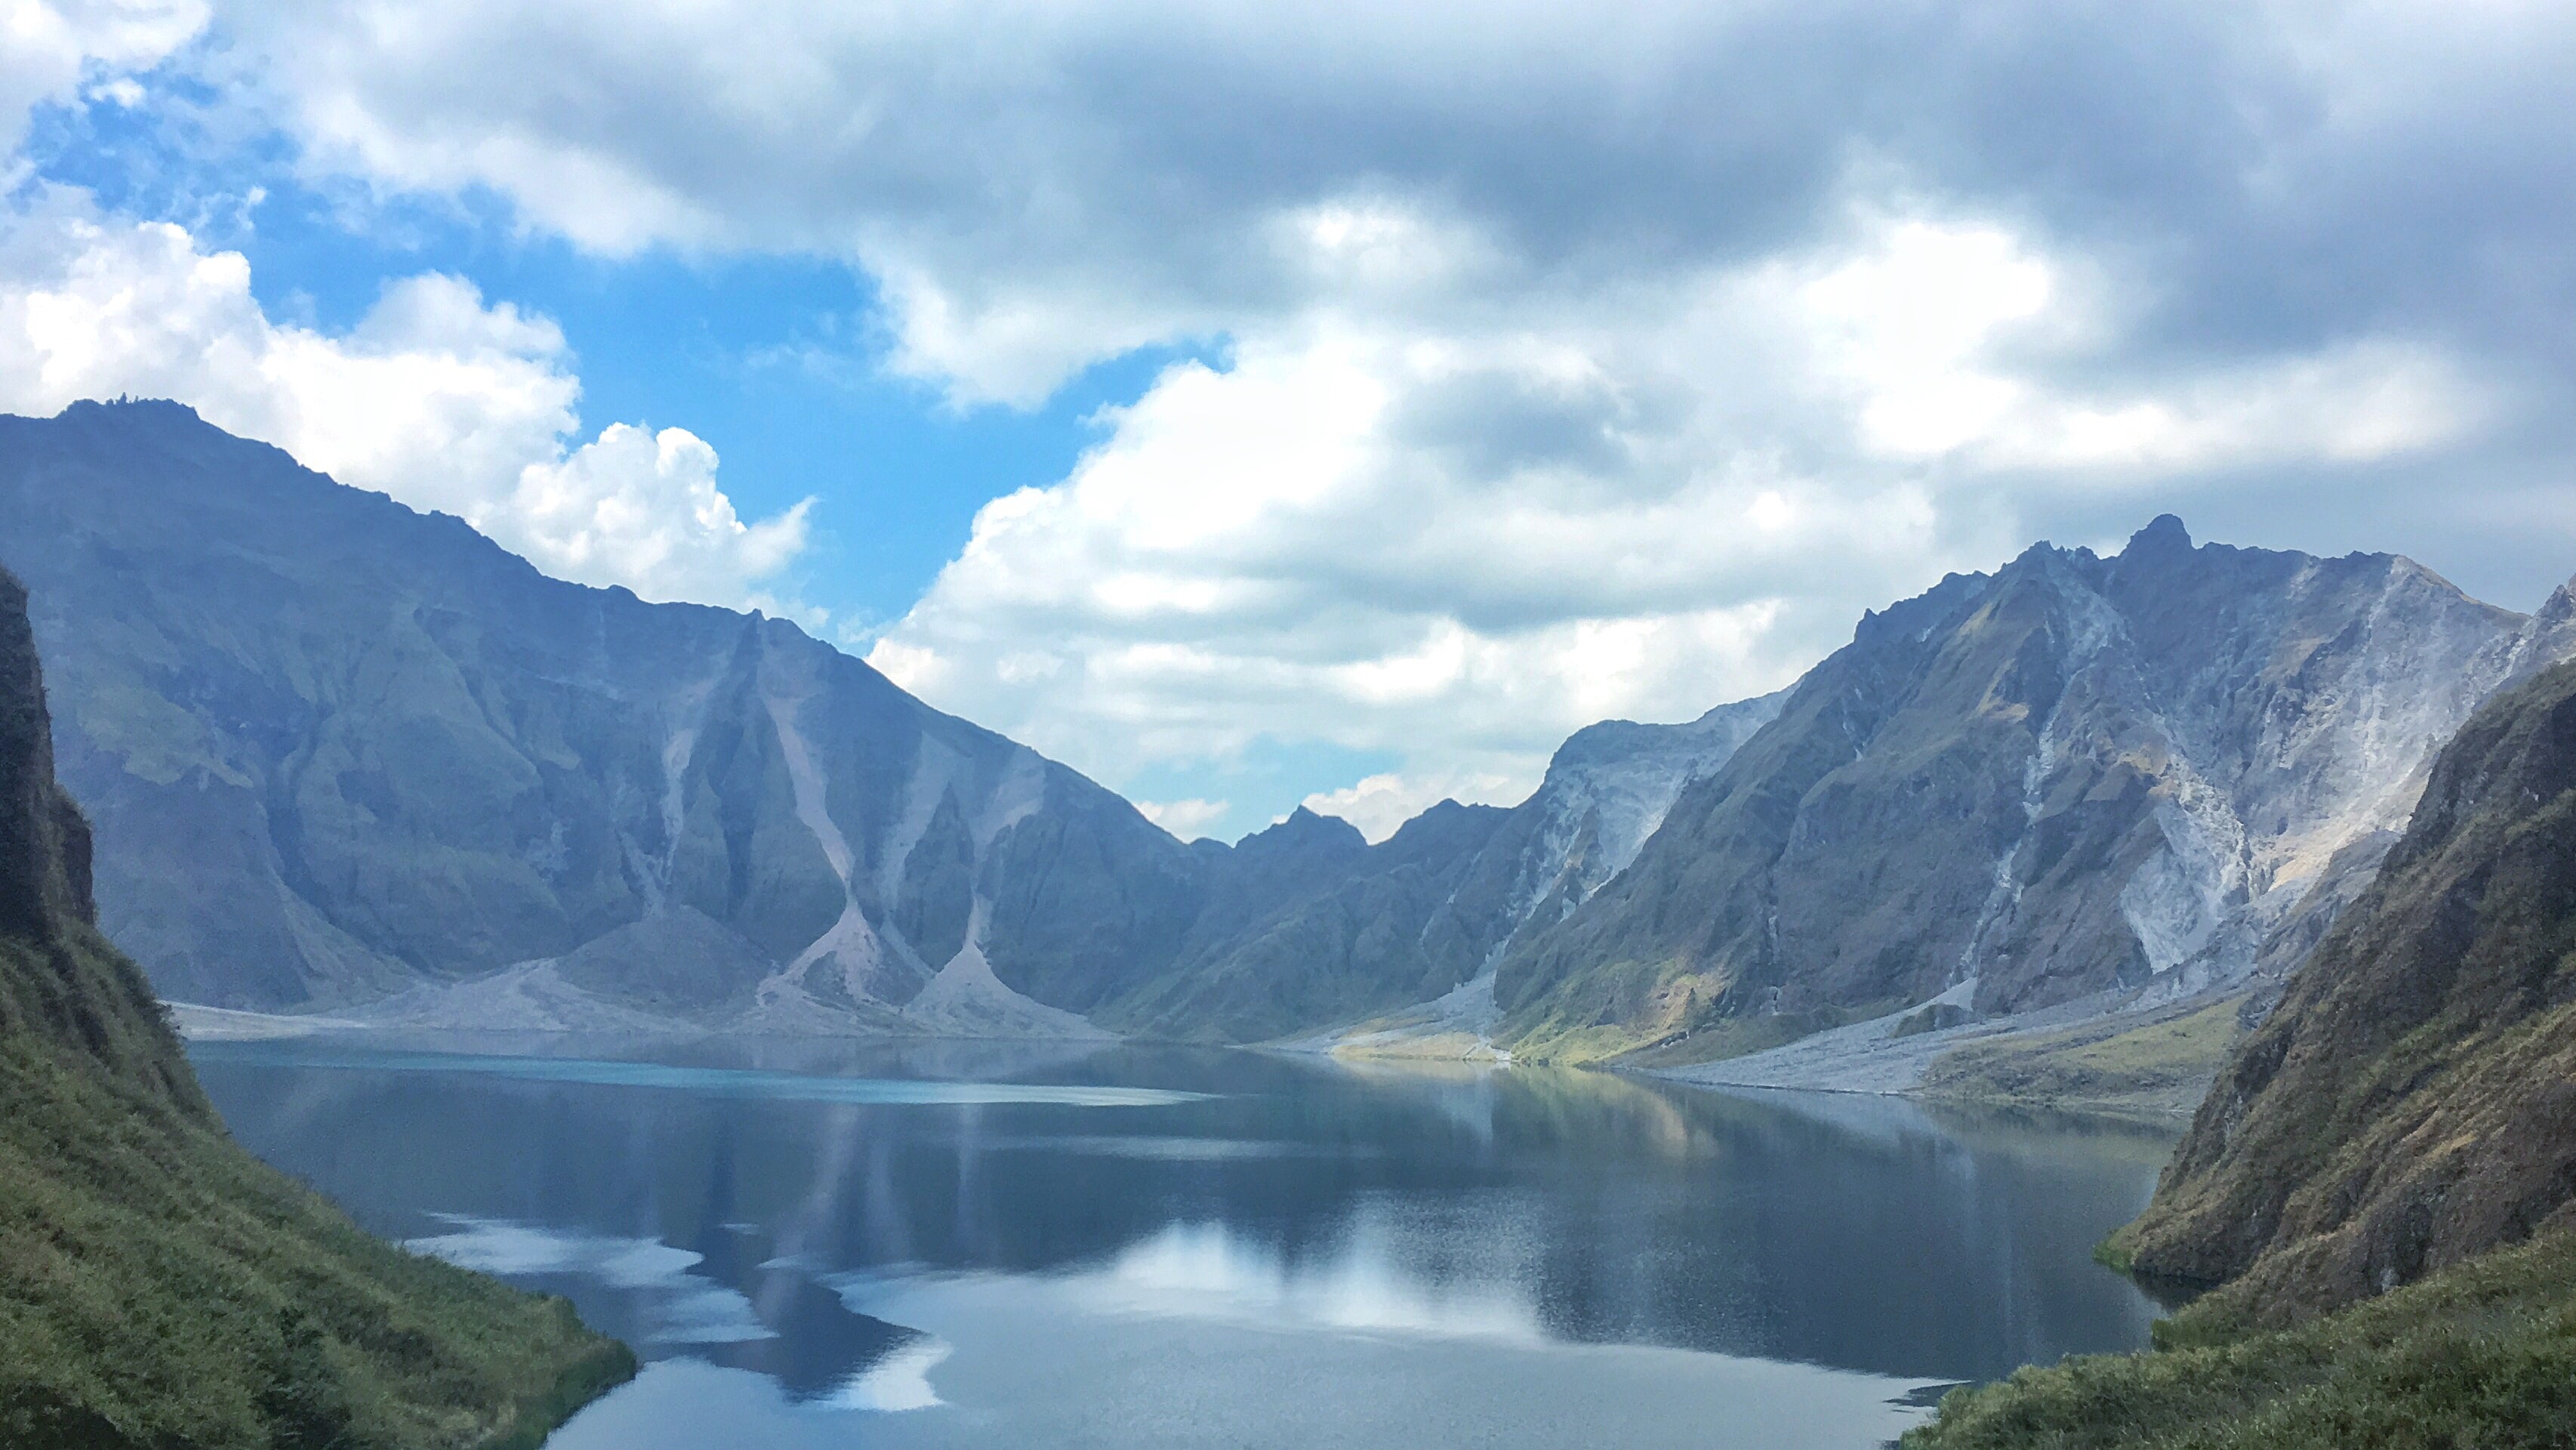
(2160, 1069)
(2480, 1356)
(161, 1288)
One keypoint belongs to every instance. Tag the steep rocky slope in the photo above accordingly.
(2385, 1174)
(1307, 925)
(348, 757)
(2412, 1102)
(158, 1286)
(2155, 772)
(337, 750)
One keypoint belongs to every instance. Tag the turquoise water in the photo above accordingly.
(820, 1244)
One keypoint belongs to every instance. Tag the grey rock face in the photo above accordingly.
(2079, 774)
(349, 757)
(339, 750)
(1308, 926)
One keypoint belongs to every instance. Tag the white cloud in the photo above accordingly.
(47, 46)
(1378, 804)
(1186, 819)
(638, 505)
(1578, 361)
(1456, 538)
(435, 397)
(1942, 333)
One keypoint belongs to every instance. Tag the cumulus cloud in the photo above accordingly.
(1039, 184)
(1379, 804)
(47, 48)
(1460, 545)
(436, 397)
(1573, 361)
(1185, 818)
(633, 504)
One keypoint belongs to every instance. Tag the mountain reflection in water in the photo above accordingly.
(941, 1243)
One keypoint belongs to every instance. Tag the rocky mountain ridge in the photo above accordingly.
(2412, 1102)
(350, 758)
(339, 750)
(2154, 773)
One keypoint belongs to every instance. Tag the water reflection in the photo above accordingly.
(1207, 1271)
(879, 1237)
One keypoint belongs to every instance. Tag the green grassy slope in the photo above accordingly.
(161, 1288)
(2479, 1357)
(2156, 1069)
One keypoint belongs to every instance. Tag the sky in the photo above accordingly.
(1255, 405)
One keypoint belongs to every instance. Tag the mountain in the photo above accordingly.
(340, 751)
(352, 758)
(2384, 1176)
(2412, 1101)
(1431, 908)
(2157, 773)
(346, 757)
(158, 1285)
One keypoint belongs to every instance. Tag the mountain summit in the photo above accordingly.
(2156, 771)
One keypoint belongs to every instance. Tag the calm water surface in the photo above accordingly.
(822, 1244)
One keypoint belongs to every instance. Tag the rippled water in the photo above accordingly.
(819, 1244)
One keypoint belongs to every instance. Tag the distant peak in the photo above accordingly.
(139, 405)
(2164, 534)
(1303, 825)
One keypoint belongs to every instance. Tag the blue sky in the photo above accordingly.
(776, 360)
(1339, 406)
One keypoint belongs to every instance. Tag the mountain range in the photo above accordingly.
(349, 758)
(346, 758)
(2154, 773)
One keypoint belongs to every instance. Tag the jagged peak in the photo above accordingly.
(1304, 827)
(169, 409)
(2163, 535)
(1923, 613)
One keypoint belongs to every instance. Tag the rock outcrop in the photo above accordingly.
(2079, 775)
(2412, 1101)
(339, 750)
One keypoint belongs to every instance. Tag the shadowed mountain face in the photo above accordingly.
(344, 756)
(159, 1286)
(1309, 926)
(2412, 1102)
(337, 749)
(2079, 774)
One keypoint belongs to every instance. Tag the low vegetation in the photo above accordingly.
(2162, 1069)
(161, 1289)
(2483, 1355)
